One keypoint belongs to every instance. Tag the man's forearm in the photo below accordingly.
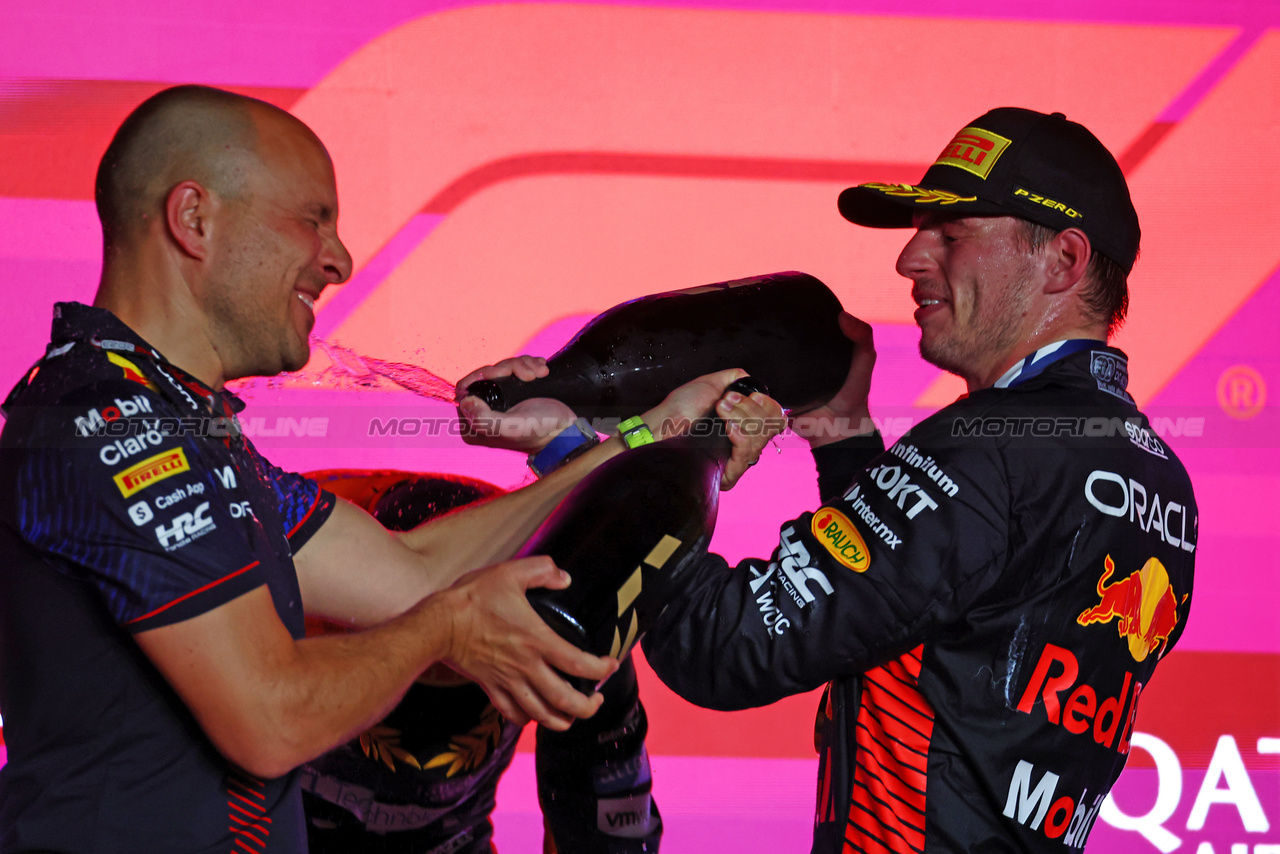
(495, 530)
(270, 703)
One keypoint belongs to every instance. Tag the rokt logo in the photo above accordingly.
(898, 486)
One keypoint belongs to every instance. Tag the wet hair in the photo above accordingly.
(183, 133)
(1106, 285)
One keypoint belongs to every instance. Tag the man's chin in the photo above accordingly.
(939, 356)
(295, 355)
(294, 363)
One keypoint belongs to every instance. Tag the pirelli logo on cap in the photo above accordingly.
(151, 470)
(838, 535)
(973, 150)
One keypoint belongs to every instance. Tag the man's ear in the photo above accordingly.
(1067, 259)
(188, 214)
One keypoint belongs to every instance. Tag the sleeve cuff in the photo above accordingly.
(200, 600)
(311, 522)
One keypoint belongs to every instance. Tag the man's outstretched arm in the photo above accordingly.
(354, 571)
(269, 702)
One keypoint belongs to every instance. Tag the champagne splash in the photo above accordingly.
(348, 370)
(348, 366)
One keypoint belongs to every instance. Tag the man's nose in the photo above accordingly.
(337, 260)
(914, 257)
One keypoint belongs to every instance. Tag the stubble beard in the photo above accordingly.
(252, 338)
(996, 332)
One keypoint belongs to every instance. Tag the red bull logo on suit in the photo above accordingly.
(1143, 604)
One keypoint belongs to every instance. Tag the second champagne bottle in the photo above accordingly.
(782, 329)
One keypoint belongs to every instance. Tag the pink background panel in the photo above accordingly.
(508, 170)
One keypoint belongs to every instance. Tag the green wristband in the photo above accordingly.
(635, 432)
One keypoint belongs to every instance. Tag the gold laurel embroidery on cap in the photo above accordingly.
(920, 194)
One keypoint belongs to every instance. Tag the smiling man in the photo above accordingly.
(157, 689)
(986, 599)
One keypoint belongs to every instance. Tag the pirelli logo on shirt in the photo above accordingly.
(151, 470)
(838, 535)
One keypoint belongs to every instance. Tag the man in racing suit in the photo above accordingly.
(986, 599)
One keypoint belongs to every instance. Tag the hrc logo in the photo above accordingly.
(838, 535)
(974, 150)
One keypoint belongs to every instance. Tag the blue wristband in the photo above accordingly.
(567, 444)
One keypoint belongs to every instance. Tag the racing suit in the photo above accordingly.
(985, 601)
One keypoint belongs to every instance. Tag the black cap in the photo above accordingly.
(1016, 162)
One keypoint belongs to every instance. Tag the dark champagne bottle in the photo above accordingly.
(781, 329)
(628, 533)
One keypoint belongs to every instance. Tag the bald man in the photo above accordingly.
(156, 686)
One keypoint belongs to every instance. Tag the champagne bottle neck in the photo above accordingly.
(573, 376)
